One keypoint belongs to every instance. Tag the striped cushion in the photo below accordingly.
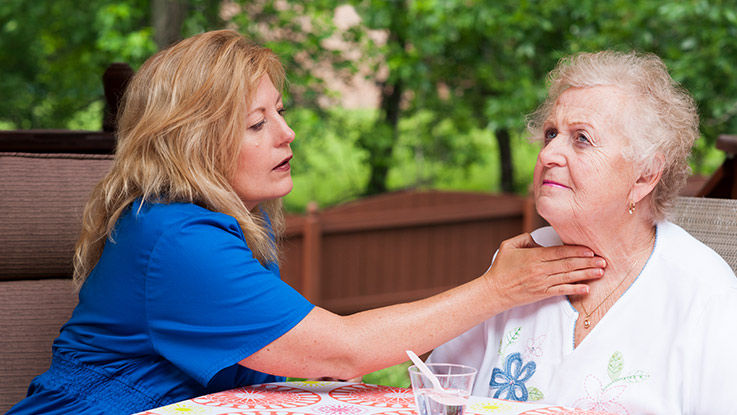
(31, 314)
(41, 201)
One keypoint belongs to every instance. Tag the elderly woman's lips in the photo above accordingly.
(554, 184)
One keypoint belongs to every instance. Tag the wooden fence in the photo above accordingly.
(396, 247)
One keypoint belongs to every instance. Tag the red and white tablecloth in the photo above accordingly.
(327, 398)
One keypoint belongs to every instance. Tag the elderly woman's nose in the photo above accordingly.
(553, 152)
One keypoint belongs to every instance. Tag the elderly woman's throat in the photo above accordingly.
(587, 314)
(629, 276)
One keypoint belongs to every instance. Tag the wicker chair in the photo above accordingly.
(711, 221)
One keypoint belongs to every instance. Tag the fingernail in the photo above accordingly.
(601, 263)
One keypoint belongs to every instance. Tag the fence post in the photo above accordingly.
(311, 254)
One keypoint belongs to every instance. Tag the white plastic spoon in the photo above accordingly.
(425, 370)
(452, 403)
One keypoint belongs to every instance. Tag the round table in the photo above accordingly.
(344, 398)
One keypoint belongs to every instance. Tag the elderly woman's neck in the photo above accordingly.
(620, 243)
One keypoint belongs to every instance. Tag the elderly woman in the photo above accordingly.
(180, 290)
(656, 334)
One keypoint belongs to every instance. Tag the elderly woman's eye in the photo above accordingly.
(550, 134)
(582, 138)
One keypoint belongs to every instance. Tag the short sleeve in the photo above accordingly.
(209, 302)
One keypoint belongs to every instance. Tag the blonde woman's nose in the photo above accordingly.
(287, 135)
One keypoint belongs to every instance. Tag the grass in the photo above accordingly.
(396, 376)
(391, 376)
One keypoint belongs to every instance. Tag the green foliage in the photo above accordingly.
(328, 166)
(396, 376)
(482, 65)
(296, 31)
(53, 54)
(466, 68)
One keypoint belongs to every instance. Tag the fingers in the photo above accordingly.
(553, 253)
(520, 241)
(586, 274)
(546, 253)
(524, 272)
(568, 289)
(562, 284)
(573, 264)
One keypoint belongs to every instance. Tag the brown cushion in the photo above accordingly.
(41, 201)
(31, 314)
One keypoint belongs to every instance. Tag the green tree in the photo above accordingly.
(53, 54)
(483, 63)
(394, 17)
(696, 39)
(479, 66)
(451, 66)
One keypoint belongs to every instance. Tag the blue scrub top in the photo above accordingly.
(172, 306)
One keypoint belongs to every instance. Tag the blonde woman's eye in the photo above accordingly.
(550, 134)
(258, 126)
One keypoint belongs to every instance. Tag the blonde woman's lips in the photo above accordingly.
(554, 184)
(284, 165)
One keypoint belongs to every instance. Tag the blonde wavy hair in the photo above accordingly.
(662, 115)
(180, 129)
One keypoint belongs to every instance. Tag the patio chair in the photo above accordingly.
(41, 201)
(711, 221)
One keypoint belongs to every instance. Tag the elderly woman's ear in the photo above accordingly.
(649, 177)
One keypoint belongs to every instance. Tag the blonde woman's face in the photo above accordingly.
(263, 162)
(581, 174)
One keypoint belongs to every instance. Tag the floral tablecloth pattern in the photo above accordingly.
(336, 398)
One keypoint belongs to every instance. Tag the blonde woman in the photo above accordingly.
(180, 290)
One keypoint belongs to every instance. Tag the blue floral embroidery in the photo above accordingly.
(512, 379)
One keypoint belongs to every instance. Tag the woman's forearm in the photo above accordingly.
(326, 344)
(378, 338)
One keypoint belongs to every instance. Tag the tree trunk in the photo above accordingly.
(380, 144)
(167, 16)
(505, 160)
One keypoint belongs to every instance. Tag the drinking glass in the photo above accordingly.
(457, 383)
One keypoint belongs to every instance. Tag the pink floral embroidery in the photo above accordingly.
(601, 398)
(534, 347)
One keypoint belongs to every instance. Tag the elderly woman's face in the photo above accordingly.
(581, 173)
(263, 162)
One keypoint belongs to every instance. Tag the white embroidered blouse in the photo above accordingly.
(667, 346)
